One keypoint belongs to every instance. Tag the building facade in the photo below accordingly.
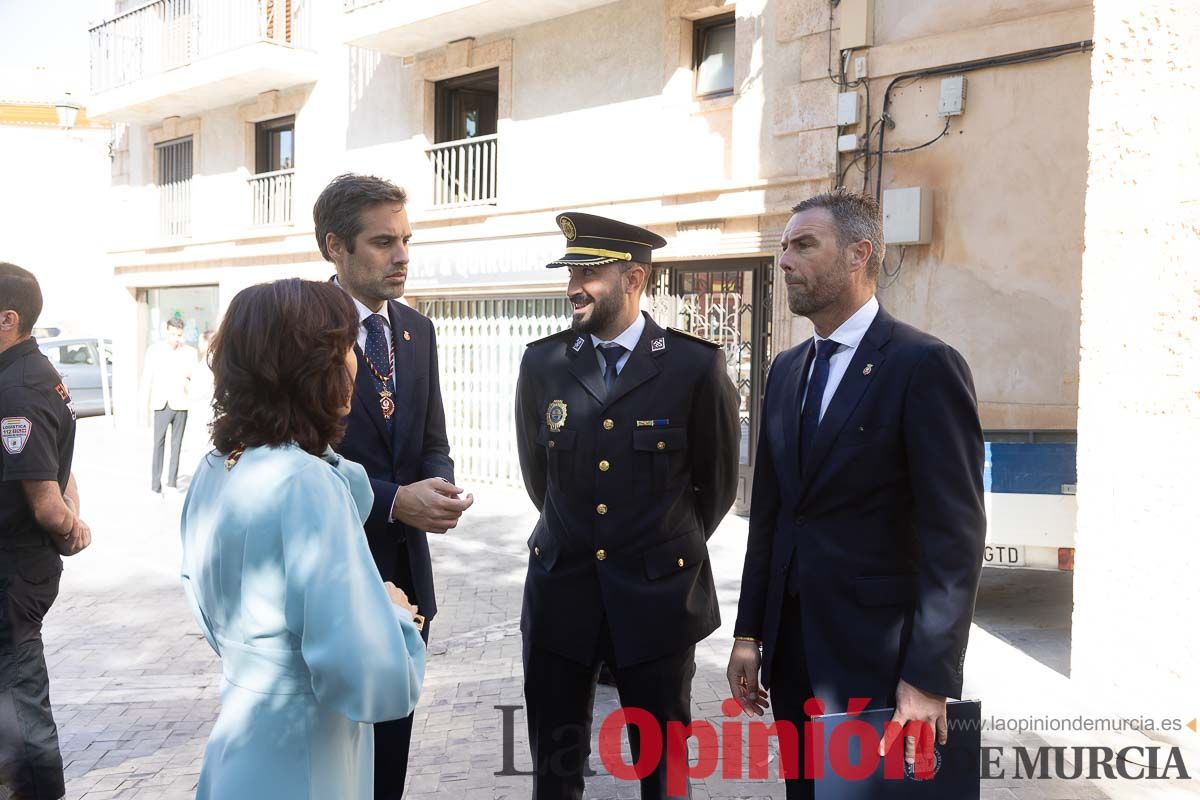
(702, 120)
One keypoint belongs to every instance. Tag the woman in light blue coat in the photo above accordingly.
(314, 646)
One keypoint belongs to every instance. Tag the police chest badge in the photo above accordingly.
(14, 432)
(556, 416)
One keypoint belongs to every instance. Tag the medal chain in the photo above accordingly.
(379, 376)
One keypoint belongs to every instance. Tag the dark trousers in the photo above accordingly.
(559, 694)
(392, 739)
(790, 687)
(31, 767)
(178, 421)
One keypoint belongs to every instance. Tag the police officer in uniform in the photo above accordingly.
(628, 440)
(39, 520)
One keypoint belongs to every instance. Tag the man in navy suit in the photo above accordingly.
(397, 426)
(867, 518)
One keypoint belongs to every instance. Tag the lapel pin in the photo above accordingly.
(658, 344)
(407, 336)
(578, 344)
(867, 369)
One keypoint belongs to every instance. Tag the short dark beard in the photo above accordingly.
(370, 294)
(827, 290)
(604, 313)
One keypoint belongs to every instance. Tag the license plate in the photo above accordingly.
(1004, 555)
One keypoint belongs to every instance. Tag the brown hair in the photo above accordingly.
(856, 217)
(278, 362)
(339, 208)
(19, 292)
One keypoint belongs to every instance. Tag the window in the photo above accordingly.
(274, 160)
(467, 106)
(713, 56)
(175, 186)
(69, 354)
(275, 145)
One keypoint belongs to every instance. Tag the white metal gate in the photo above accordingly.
(480, 345)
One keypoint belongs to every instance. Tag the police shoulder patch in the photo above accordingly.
(693, 337)
(14, 433)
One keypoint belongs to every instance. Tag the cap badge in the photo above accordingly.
(568, 228)
(556, 415)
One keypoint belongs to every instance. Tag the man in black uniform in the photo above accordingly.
(628, 440)
(39, 519)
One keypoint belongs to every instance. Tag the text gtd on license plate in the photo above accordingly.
(1004, 555)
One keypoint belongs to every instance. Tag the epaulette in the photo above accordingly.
(693, 337)
(551, 337)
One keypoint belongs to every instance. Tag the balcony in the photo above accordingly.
(271, 198)
(464, 172)
(179, 57)
(175, 209)
(405, 27)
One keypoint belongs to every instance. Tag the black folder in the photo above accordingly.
(955, 766)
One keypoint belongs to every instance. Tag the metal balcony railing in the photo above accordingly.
(175, 208)
(271, 197)
(464, 172)
(174, 178)
(166, 34)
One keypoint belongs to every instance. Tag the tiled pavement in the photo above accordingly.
(135, 685)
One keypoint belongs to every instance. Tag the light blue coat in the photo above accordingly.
(277, 571)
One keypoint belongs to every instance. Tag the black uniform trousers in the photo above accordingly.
(31, 766)
(178, 421)
(559, 694)
(791, 687)
(392, 739)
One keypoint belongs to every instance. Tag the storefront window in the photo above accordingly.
(195, 305)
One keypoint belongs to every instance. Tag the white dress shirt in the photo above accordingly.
(849, 335)
(628, 339)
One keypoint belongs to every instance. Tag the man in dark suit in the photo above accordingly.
(397, 426)
(628, 440)
(867, 518)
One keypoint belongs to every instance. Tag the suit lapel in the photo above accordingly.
(642, 364)
(850, 391)
(582, 359)
(367, 396)
(405, 378)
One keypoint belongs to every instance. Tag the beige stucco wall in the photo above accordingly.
(1000, 279)
(1139, 417)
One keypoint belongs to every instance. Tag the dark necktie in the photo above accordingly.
(810, 418)
(379, 354)
(612, 353)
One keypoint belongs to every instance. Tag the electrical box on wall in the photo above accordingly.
(856, 19)
(908, 215)
(847, 108)
(849, 143)
(952, 98)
